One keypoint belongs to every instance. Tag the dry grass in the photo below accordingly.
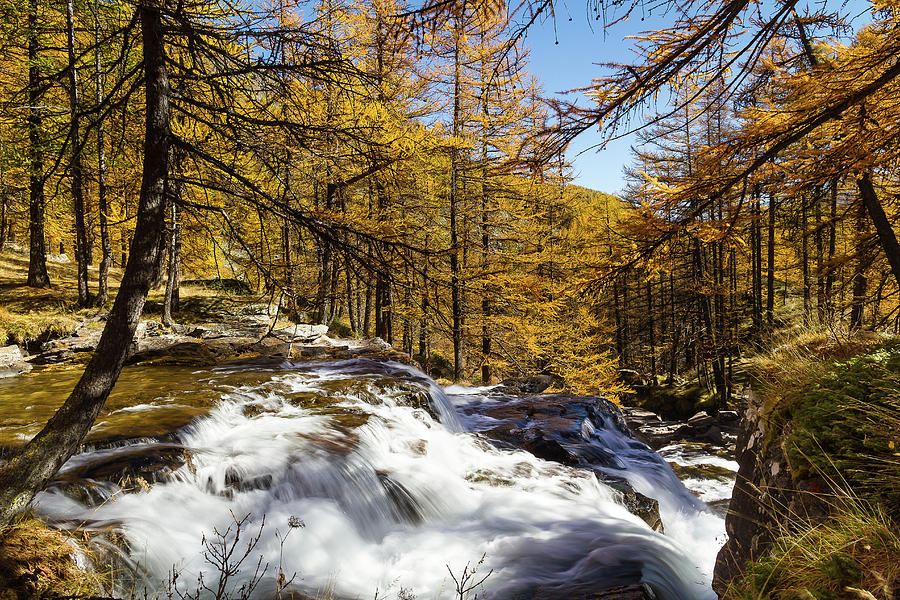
(37, 314)
(799, 356)
(854, 555)
(37, 561)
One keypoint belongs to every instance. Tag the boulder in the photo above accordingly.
(192, 354)
(300, 332)
(536, 442)
(12, 361)
(766, 489)
(630, 377)
(701, 420)
(529, 385)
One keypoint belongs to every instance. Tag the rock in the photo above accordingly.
(12, 362)
(636, 417)
(541, 446)
(300, 332)
(657, 436)
(147, 462)
(701, 420)
(637, 591)
(630, 377)
(729, 416)
(714, 435)
(229, 286)
(61, 259)
(766, 489)
(193, 354)
(529, 385)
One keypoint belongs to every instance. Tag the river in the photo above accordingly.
(365, 479)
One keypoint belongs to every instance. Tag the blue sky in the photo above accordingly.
(572, 63)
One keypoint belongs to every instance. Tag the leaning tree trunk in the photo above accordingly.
(886, 236)
(29, 471)
(37, 256)
(81, 238)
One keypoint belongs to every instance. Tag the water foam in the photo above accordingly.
(398, 498)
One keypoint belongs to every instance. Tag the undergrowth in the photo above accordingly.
(853, 555)
(37, 561)
(834, 403)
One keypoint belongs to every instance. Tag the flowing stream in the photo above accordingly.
(364, 477)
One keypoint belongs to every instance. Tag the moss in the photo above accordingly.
(31, 326)
(37, 561)
(846, 425)
(676, 401)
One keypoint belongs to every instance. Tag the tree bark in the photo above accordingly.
(455, 302)
(886, 235)
(103, 206)
(4, 217)
(832, 243)
(27, 472)
(81, 238)
(770, 265)
(173, 275)
(37, 258)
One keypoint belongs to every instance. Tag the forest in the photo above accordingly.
(397, 171)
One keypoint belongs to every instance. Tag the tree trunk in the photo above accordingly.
(367, 310)
(455, 301)
(27, 472)
(81, 238)
(886, 236)
(37, 258)
(832, 243)
(820, 252)
(173, 276)
(4, 216)
(652, 326)
(860, 281)
(770, 265)
(804, 258)
(103, 207)
(756, 260)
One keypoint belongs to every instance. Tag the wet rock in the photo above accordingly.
(529, 385)
(422, 400)
(404, 507)
(637, 591)
(12, 362)
(536, 442)
(637, 504)
(192, 354)
(235, 481)
(145, 462)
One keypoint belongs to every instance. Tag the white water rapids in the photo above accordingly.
(388, 498)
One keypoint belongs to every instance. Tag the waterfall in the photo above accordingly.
(364, 476)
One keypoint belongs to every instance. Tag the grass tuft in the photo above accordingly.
(854, 554)
(38, 561)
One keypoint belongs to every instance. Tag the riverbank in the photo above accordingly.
(815, 507)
